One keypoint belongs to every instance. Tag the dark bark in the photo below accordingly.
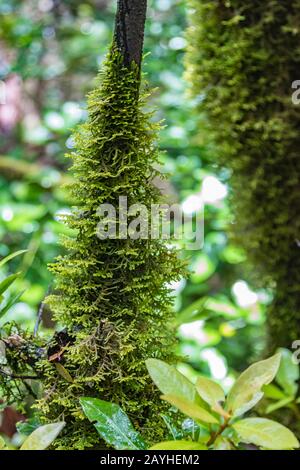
(129, 29)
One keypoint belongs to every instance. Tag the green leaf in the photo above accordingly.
(9, 257)
(4, 285)
(266, 434)
(43, 437)
(178, 445)
(273, 392)
(279, 404)
(10, 303)
(211, 392)
(190, 409)
(63, 372)
(170, 381)
(112, 424)
(246, 391)
(288, 373)
(28, 426)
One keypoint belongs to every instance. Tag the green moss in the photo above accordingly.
(243, 57)
(111, 295)
(19, 352)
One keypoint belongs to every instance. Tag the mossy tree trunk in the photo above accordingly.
(112, 294)
(243, 58)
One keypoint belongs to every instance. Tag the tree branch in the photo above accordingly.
(129, 29)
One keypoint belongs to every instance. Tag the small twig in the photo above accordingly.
(39, 315)
(217, 433)
(21, 377)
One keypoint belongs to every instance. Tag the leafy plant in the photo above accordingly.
(217, 422)
(218, 419)
(112, 424)
(116, 429)
(40, 439)
(6, 283)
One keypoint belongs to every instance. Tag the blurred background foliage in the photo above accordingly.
(50, 52)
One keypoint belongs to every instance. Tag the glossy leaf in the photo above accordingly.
(266, 434)
(179, 445)
(112, 424)
(28, 426)
(190, 409)
(246, 391)
(169, 380)
(43, 437)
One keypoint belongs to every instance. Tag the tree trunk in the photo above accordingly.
(255, 128)
(129, 29)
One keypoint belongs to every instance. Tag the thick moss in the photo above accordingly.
(112, 295)
(243, 57)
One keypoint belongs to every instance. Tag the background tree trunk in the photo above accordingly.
(129, 29)
(255, 126)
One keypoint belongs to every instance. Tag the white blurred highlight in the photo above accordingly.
(213, 190)
(244, 296)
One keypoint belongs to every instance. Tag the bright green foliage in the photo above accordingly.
(42, 437)
(112, 295)
(213, 419)
(266, 434)
(112, 424)
(243, 58)
(246, 391)
(215, 425)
